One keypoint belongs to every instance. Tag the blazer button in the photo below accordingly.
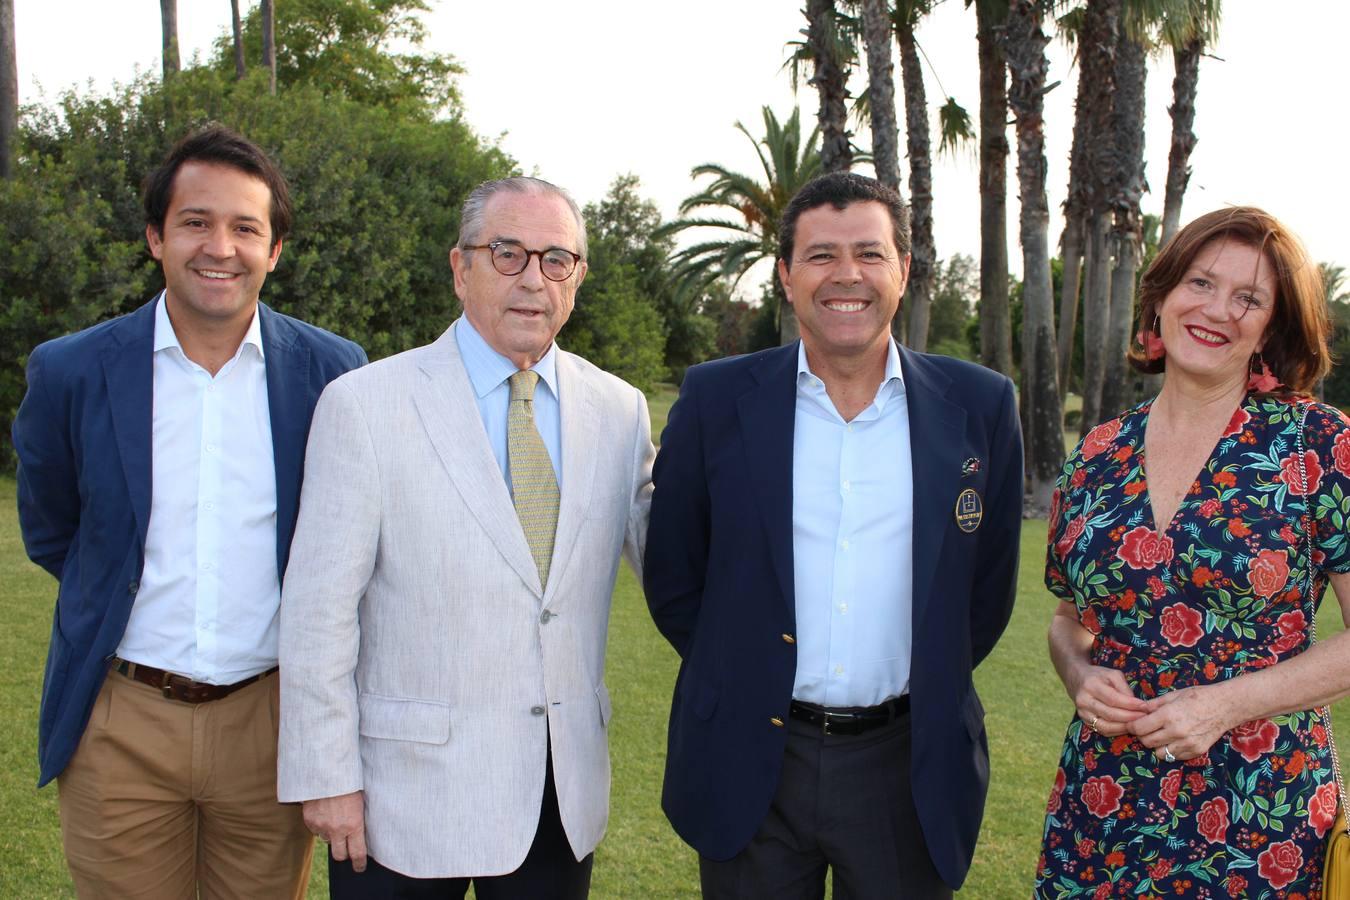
(789, 639)
(777, 721)
(133, 587)
(536, 710)
(544, 617)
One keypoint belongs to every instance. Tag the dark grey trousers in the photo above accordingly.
(844, 803)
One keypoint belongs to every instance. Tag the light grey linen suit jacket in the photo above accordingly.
(420, 660)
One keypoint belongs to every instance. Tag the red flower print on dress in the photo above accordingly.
(1254, 739)
(1103, 891)
(1072, 532)
(1100, 438)
(1236, 886)
(1237, 423)
(1160, 869)
(1078, 478)
(1280, 863)
(1322, 808)
(1289, 473)
(1340, 452)
(1268, 572)
(1319, 734)
(1292, 622)
(1181, 625)
(1156, 586)
(1211, 508)
(1144, 548)
(1056, 792)
(1171, 785)
(1101, 795)
(1212, 820)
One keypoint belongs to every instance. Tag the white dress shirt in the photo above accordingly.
(488, 372)
(852, 540)
(209, 595)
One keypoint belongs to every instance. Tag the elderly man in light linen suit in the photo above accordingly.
(443, 626)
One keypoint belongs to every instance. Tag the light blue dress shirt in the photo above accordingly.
(852, 541)
(488, 373)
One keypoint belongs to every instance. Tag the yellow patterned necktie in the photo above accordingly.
(534, 487)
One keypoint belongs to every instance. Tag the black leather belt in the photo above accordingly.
(177, 687)
(850, 719)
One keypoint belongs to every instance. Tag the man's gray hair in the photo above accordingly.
(471, 216)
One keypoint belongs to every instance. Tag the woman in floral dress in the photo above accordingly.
(1196, 764)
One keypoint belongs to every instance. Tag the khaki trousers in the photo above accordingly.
(164, 799)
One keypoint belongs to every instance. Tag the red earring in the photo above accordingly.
(1151, 340)
(1261, 379)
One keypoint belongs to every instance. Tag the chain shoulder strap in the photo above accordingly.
(1324, 711)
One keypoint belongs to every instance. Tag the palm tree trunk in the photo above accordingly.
(1042, 418)
(1187, 62)
(788, 330)
(995, 320)
(923, 252)
(1126, 231)
(9, 89)
(268, 10)
(881, 91)
(1096, 315)
(168, 19)
(831, 82)
(238, 41)
(1071, 252)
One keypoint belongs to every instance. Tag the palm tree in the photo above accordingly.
(9, 89)
(995, 318)
(1126, 178)
(1024, 44)
(788, 162)
(168, 20)
(923, 253)
(238, 41)
(1097, 45)
(831, 59)
(268, 10)
(1187, 27)
(876, 29)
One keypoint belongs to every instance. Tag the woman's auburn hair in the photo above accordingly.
(1298, 335)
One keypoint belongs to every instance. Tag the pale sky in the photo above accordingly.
(655, 89)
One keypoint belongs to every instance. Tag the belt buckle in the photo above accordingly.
(166, 686)
(833, 719)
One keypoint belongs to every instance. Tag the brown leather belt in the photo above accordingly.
(180, 688)
(850, 720)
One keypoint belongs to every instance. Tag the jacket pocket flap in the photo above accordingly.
(403, 719)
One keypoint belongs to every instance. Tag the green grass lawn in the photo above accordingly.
(640, 857)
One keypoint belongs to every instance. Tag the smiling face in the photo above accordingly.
(519, 315)
(845, 281)
(216, 246)
(1216, 316)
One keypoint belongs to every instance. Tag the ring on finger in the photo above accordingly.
(1167, 755)
(1092, 726)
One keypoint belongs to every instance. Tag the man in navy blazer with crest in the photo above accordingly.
(102, 406)
(832, 550)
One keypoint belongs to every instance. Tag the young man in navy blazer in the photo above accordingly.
(832, 550)
(160, 459)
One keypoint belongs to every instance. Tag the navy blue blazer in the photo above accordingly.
(82, 435)
(719, 581)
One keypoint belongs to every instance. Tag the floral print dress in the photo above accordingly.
(1220, 591)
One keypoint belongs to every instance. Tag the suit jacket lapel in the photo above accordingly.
(936, 432)
(286, 362)
(581, 427)
(128, 367)
(767, 413)
(449, 412)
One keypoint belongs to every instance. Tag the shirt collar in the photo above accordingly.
(166, 338)
(488, 369)
(892, 381)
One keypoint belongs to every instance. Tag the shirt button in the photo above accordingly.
(210, 448)
(843, 607)
(848, 486)
(536, 710)
(844, 543)
(544, 617)
(207, 567)
(839, 670)
(208, 505)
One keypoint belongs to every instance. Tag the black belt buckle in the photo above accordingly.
(842, 723)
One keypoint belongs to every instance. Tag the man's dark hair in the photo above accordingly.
(840, 189)
(218, 145)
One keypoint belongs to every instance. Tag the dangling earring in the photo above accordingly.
(1151, 340)
(1261, 379)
